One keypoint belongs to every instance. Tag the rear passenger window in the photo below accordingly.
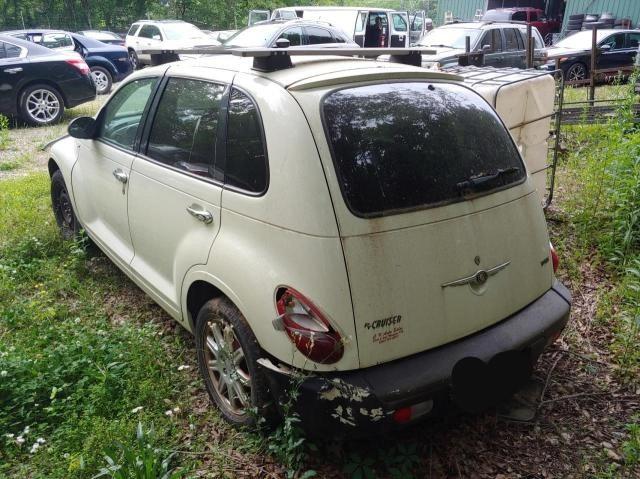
(318, 35)
(511, 38)
(7, 50)
(185, 128)
(246, 166)
(132, 30)
(519, 17)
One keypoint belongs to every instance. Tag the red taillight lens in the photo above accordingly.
(554, 258)
(80, 65)
(308, 328)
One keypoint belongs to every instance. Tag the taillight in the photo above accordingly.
(79, 64)
(554, 258)
(308, 328)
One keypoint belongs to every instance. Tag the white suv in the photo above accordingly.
(368, 225)
(145, 34)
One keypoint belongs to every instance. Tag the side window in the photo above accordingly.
(185, 128)
(246, 166)
(150, 31)
(493, 39)
(318, 35)
(121, 117)
(133, 29)
(399, 23)
(520, 36)
(633, 39)
(294, 35)
(360, 21)
(12, 51)
(533, 16)
(3, 52)
(56, 40)
(511, 38)
(615, 41)
(519, 17)
(338, 38)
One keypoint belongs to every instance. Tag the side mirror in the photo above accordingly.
(83, 128)
(283, 43)
(605, 48)
(486, 48)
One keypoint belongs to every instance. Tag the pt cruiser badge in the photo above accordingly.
(479, 277)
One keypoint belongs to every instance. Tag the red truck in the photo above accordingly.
(533, 16)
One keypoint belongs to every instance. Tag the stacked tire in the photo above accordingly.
(575, 23)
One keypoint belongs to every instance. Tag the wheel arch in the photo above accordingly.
(100, 61)
(40, 81)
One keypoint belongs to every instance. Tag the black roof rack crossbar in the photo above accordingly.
(273, 59)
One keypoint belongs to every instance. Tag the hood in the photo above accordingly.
(557, 52)
(441, 53)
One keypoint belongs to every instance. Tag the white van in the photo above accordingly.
(379, 27)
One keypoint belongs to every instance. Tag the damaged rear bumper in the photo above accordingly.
(391, 395)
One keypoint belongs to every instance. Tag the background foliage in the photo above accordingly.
(117, 15)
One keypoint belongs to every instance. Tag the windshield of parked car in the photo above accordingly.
(182, 31)
(580, 40)
(402, 146)
(255, 36)
(449, 37)
(496, 16)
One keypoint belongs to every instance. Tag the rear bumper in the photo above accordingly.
(78, 90)
(363, 401)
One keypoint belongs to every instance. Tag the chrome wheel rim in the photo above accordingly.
(42, 105)
(577, 72)
(227, 366)
(100, 79)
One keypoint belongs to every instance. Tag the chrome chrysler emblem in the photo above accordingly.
(479, 277)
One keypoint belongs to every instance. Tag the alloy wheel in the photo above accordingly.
(227, 366)
(577, 72)
(101, 81)
(43, 105)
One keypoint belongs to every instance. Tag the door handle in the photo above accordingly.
(121, 176)
(201, 215)
(13, 70)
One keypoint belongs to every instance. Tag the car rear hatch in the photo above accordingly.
(442, 233)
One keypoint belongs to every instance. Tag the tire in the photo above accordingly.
(41, 105)
(574, 25)
(576, 71)
(133, 58)
(62, 208)
(102, 79)
(221, 325)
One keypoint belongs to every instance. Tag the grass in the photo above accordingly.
(612, 93)
(82, 359)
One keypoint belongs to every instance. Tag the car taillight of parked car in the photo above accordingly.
(307, 327)
(80, 65)
(554, 257)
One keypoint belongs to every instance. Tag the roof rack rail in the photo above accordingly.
(274, 59)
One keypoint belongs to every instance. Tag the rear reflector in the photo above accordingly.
(554, 257)
(411, 413)
(79, 64)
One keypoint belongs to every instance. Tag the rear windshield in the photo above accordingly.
(404, 146)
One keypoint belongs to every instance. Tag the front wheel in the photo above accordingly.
(133, 58)
(62, 207)
(41, 105)
(576, 72)
(227, 358)
(102, 80)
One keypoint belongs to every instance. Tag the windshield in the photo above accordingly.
(449, 37)
(496, 16)
(402, 146)
(255, 36)
(181, 31)
(580, 40)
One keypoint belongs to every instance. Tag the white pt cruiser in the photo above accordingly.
(366, 226)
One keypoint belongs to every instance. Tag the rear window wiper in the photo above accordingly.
(485, 182)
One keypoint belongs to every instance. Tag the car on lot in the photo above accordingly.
(299, 33)
(503, 44)
(533, 16)
(146, 34)
(390, 253)
(108, 63)
(616, 49)
(104, 36)
(37, 83)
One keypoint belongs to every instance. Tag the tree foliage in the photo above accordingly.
(117, 15)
